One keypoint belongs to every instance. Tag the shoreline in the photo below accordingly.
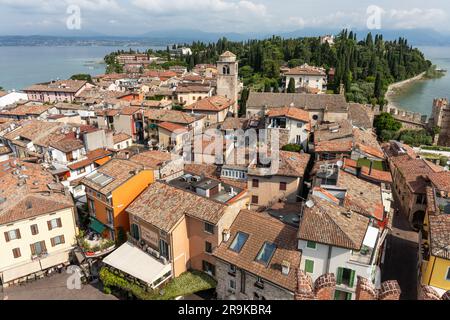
(394, 89)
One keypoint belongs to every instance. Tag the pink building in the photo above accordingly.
(56, 91)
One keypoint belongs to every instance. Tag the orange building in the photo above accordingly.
(110, 190)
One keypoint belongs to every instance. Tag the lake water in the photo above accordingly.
(418, 96)
(23, 66)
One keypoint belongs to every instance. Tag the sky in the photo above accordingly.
(135, 17)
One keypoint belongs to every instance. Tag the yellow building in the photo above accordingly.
(434, 256)
(110, 190)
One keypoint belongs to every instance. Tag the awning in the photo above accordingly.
(21, 271)
(54, 259)
(138, 264)
(102, 161)
(371, 237)
(96, 225)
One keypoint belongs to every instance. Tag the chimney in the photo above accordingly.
(285, 267)
(226, 235)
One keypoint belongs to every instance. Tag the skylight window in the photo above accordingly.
(266, 253)
(238, 242)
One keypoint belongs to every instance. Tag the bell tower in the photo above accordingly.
(227, 78)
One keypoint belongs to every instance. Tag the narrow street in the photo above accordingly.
(401, 257)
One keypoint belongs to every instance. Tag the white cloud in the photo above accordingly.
(417, 18)
(203, 6)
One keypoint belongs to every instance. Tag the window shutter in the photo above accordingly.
(336, 294)
(18, 234)
(59, 223)
(62, 239)
(352, 278)
(49, 224)
(52, 241)
(339, 275)
(7, 236)
(349, 296)
(44, 247)
(33, 249)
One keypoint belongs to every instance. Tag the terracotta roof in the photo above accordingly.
(170, 116)
(27, 198)
(91, 157)
(228, 54)
(193, 89)
(172, 127)
(331, 102)
(211, 171)
(163, 206)
(306, 70)
(67, 145)
(414, 171)
(34, 130)
(153, 159)
(342, 145)
(232, 123)
(441, 180)
(129, 110)
(361, 115)
(261, 228)
(120, 170)
(293, 164)
(361, 196)
(121, 136)
(328, 223)
(333, 131)
(440, 235)
(29, 109)
(72, 86)
(289, 112)
(215, 103)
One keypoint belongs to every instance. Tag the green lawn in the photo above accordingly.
(377, 165)
(188, 283)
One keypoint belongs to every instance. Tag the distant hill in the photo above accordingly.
(416, 37)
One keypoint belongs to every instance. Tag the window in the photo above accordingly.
(135, 231)
(164, 248)
(54, 223)
(283, 186)
(309, 266)
(298, 140)
(209, 268)
(92, 207)
(346, 277)
(81, 170)
(238, 242)
(255, 183)
(255, 199)
(243, 282)
(299, 124)
(342, 295)
(110, 216)
(38, 248)
(265, 254)
(57, 240)
(311, 245)
(16, 253)
(34, 229)
(232, 284)
(12, 235)
(315, 117)
(259, 283)
(208, 247)
(209, 228)
(232, 269)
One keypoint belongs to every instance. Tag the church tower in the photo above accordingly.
(227, 78)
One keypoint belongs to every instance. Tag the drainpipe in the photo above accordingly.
(329, 259)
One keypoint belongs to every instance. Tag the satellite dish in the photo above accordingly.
(340, 163)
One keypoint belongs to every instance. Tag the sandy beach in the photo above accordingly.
(394, 88)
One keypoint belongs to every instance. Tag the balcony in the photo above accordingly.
(94, 245)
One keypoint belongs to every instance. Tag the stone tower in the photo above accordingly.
(441, 117)
(227, 78)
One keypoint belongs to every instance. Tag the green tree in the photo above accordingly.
(291, 86)
(378, 87)
(83, 77)
(243, 102)
(292, 147)
(386, 122)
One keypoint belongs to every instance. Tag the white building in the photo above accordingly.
(12, 98)
(336, 240)
(292, 123)
(37, 224)
(307, 78)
